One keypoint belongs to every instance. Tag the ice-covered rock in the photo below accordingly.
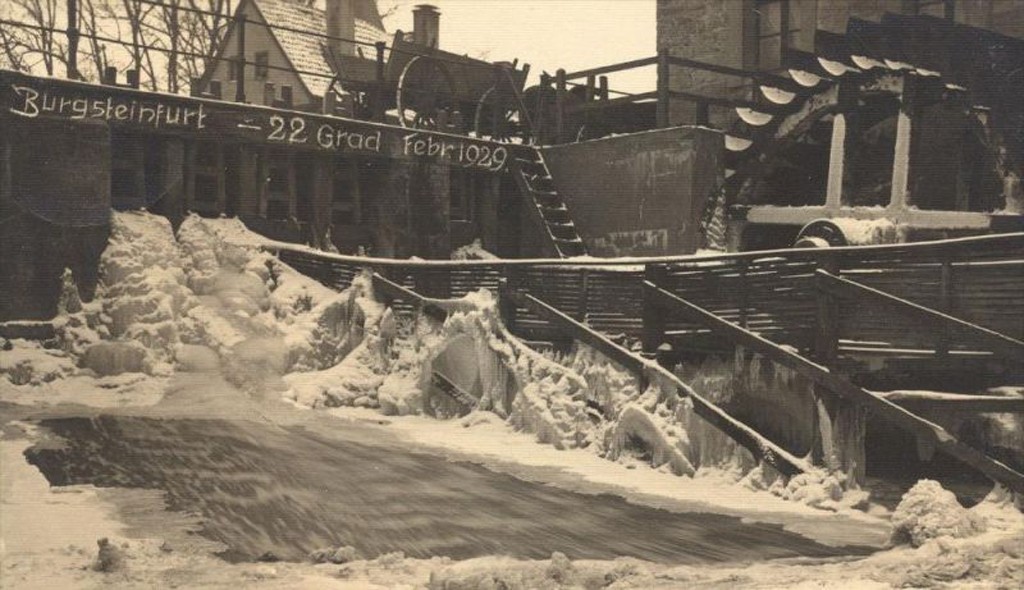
(114, 358)
(928, 511)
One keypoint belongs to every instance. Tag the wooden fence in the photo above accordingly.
(775, 294)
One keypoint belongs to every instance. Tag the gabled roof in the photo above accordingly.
(305, 52)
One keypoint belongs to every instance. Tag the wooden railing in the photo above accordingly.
(775, 294)
(790, 306)
(930, 436)
(596, 93)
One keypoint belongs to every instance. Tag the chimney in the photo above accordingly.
(426, 25)
(341, 22)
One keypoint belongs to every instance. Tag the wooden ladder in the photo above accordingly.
(534, 180)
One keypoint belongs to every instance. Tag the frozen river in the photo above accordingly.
(288, 490)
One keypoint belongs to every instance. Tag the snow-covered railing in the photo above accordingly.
(930, 436)
(773, 293)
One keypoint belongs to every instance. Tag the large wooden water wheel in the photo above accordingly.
(427, 96)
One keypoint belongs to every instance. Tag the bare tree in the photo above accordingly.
(40, 43)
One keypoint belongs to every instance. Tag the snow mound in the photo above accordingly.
(928, 511)
(28, 363)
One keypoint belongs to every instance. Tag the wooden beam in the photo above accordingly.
(664, 88)
(927, 400)
(584, 334)
(930, 436)
(605, 104)
(901, 153)
(437, 308)
(626, 65)
(454, 391)
(762, 448)
(837, 156)
(1002, 345)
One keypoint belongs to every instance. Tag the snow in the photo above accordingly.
(176, 316)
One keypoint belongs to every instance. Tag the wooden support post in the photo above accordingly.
(837, 155)
(826, 339)
(603, 87)
(132, 78)
(591, 88)
(379, 87)
(189, 175)
(506, 302)
(262, 180)
(702, 116)
(560, 90)
(662, 118)
(222, 194)
(932, 435)
(293, 196)
(110, 75)
(901, 156)
(840, 424)
(240, 74)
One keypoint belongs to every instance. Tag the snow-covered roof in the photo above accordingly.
(305, 51)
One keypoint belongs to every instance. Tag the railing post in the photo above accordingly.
(506, 304)
(591, 88)
(663, 87)
(826, 338)
(840, 445)
(240, 74)
(653, 330)
(603, 87)
(560, 89)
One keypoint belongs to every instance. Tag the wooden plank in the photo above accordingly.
(1000, 344)
(930, 436)
(919, 400)
(762, 448)
(626, 65)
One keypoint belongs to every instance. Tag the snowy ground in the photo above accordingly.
(206, 326)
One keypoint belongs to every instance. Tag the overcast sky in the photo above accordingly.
(547, 34)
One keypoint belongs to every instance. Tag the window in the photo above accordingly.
(234, 67)
(262, 65)
(777, 27)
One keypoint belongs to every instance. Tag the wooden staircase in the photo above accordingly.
(534, 180)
